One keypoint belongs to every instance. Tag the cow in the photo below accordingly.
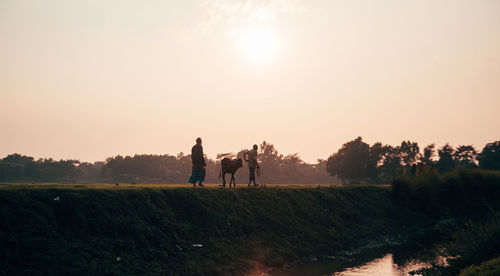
(229, 166)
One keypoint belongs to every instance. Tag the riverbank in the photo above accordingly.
(213, 231)
(470, 201)
(189, 231)
(488, 268)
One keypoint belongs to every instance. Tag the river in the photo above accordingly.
(397, 258)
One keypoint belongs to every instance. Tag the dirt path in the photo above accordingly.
(109, 186)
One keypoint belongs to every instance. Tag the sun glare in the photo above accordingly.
(259, 45)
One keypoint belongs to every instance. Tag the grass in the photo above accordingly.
(469, 241)
(155, 231)
(112, 186)
(488, 268)
(472, 199)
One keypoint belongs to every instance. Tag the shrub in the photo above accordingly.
(453, 192)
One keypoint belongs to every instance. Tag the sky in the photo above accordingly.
(92, 79)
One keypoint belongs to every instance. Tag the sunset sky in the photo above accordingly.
(93, 79)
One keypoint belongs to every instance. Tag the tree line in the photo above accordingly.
(16, 167)
(151, 168)
(357, 162)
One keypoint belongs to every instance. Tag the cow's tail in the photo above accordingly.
(220, 173)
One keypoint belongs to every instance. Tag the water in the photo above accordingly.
(385, 265)
(398, 259)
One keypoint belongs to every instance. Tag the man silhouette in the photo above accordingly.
(198, 173)
(251, 158)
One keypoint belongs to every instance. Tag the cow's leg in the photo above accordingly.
(224, 180)
(234, 181)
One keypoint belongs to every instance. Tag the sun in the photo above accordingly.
(259, 44)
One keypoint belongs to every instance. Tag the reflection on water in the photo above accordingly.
(396, 259)
(383, 266)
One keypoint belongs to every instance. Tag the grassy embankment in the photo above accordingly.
(161, 231)
(183, 231)
(472, 198)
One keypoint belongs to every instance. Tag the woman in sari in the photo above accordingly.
(198, 173)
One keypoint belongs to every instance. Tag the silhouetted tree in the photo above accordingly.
(489, 158)
(390, 163)
(9, 171)
(18, 159)
(147, 168)
(375, 162)
(62, 170)
(465, 157)
(16, 167)
(276, 168)
(90, 172)
(270, 162)
(349, 163)
(409, 152)
(429, 153)
(445, 162)
(355, 162)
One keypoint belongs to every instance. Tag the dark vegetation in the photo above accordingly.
(488, 268)
(470, 199)
(355, 163)
(150, 168)
(452, 193)
(358, 162)
(24, 168)
(227, 232)
(476, 240)
(187, 231)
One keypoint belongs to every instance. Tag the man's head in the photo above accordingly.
(255, 147)
(198, 141)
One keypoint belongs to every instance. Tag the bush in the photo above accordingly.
(488, 268)
(454, 192)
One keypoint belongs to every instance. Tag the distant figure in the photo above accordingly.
(229, 166)
(198, 173)
(251, 158)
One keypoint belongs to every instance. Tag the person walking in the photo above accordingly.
(198, 173)
(251, 158)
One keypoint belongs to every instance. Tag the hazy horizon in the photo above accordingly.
(91, 79)
(188, 152)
